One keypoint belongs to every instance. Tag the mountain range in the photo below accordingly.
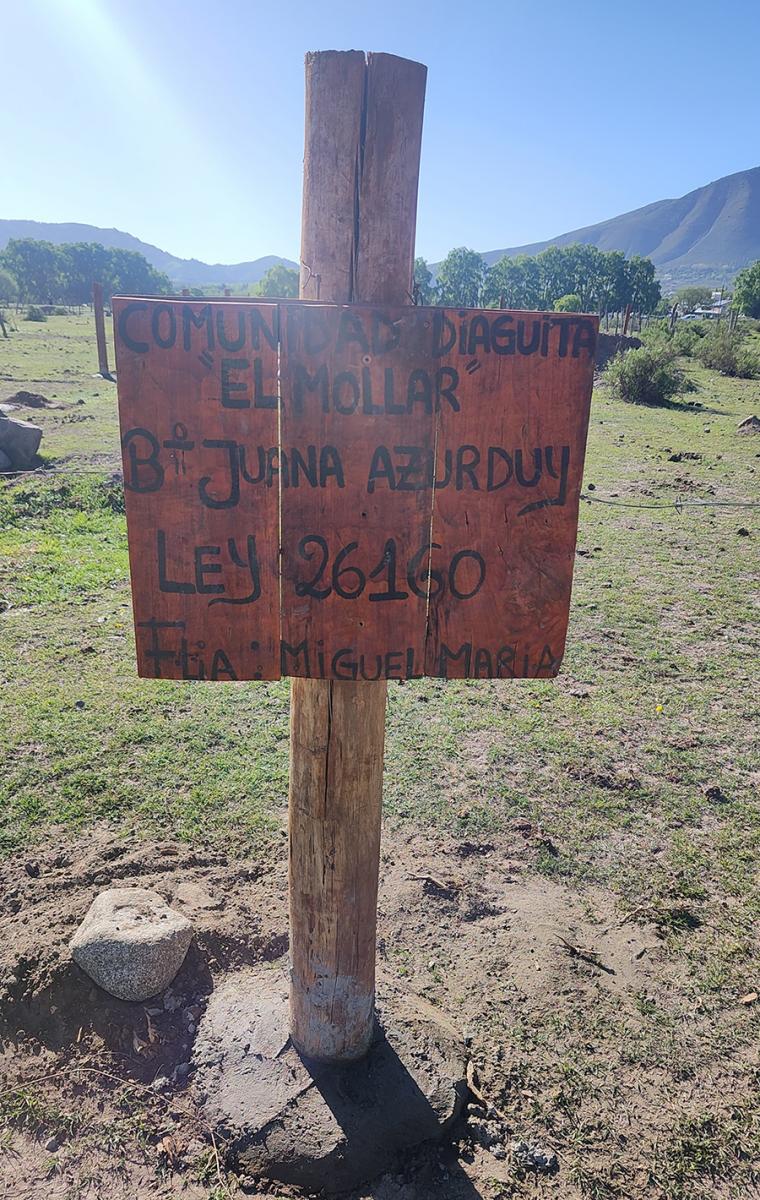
(185, 272)
(703, 237)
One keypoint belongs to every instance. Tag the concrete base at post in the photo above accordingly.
(317, 1125)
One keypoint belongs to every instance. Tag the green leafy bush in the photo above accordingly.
(688, 335)
(723, 350)
(648, 375)
(569, 303)
(35, 313)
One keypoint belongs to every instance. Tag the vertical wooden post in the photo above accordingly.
(361, 168)
(100, 329)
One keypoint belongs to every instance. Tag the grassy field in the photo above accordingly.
(639, 766)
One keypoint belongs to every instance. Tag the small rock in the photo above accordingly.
(743, 532)
(33, 869)
(534, 1158)
(5, 462)
(750, 425)
(131, 943)
(19, 440)
(51, 1145)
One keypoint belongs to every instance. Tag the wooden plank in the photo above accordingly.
(358, 409)
(337, 739)
(508, 478)
(390, 164)
(333, 130)
(198, 411)
(100, 330)
(338, 728)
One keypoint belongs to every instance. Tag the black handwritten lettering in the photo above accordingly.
(234, 453)
(134, 306)
(230, 386)
(249, 563)
(204, 568)
(318, 382)
(157, 653)
(230, 343)
(203, 317)
(143, 465)
(164, 341)
(165, 584)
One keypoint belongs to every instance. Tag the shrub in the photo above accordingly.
(648, 375)
(35, 313)
(569, 303)
(688, 336)
(723, 350)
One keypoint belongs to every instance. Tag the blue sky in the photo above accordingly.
(181, 121)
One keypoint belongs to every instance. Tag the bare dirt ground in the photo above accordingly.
(569, 867)
(100, 1092)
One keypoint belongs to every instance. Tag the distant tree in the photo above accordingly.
(554, 276)
(690, 298)
(589, 279)
(80, 264)
(747, 290)
(461, 278)
(35, 267)
(279, 280)
(425, 290)
(131, 274)
(45, 273)
(642, 289)
(8, 286)
(611, 285)
(584, 271)
(513, 283)
(570, 303)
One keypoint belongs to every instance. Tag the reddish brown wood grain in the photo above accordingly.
(427, 470)
(344, 620)
(360, 192)
(508, 477)
(203, 559)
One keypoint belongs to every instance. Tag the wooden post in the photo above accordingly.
(361, 166)
(100, 330)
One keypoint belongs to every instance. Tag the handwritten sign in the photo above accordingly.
(351, 492)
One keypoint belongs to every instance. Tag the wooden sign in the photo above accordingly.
(198, 407)
(416, 474)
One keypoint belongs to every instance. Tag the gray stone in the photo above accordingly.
(532, 1157)
(5, 462)
(321, 1126)
(20, 440)
(131, 943)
